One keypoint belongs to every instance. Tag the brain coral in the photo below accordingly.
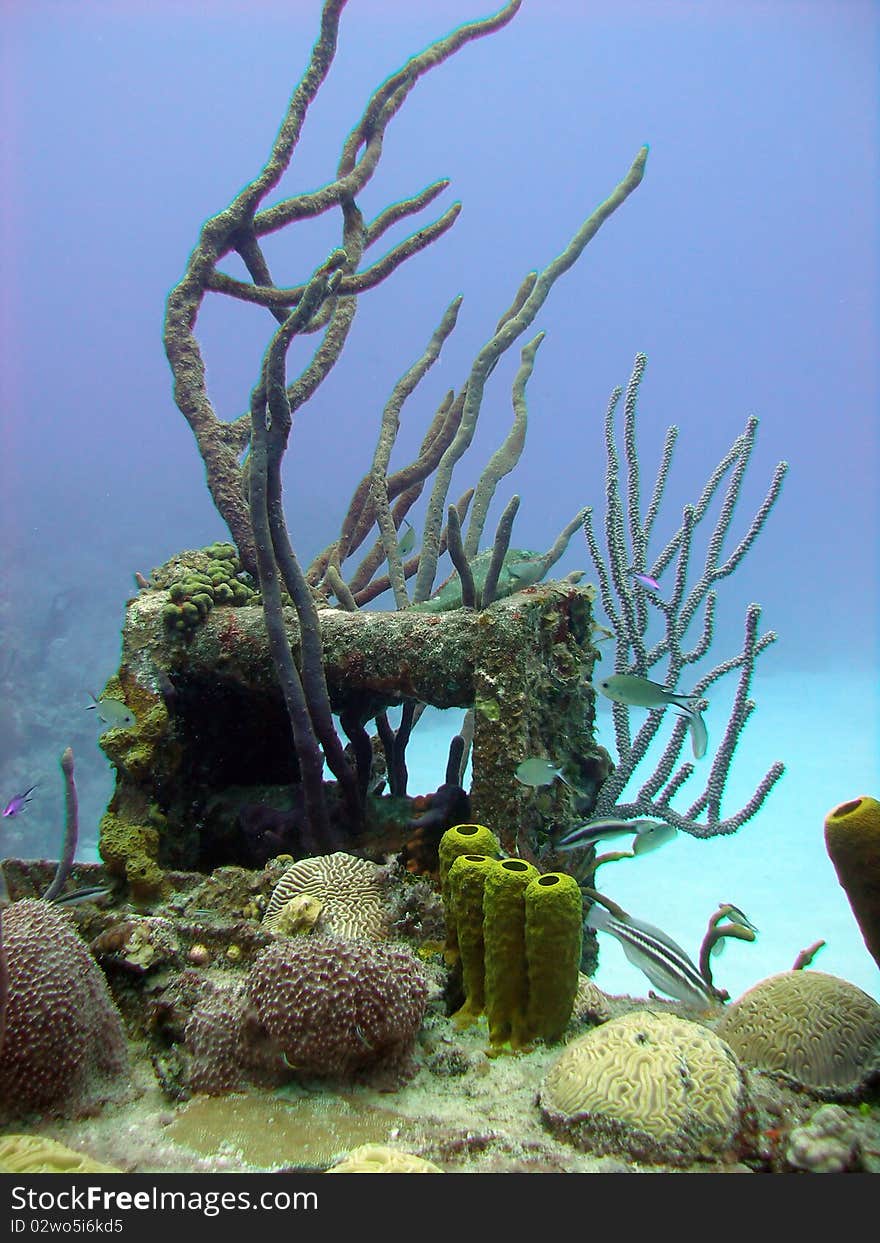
(334, 1007)
(64, 1048)
(349, 888)
(650, 1086)
(812, 1029)
(379, 1159)
(36, 1154)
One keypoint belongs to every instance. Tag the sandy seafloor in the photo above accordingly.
(470, 1113)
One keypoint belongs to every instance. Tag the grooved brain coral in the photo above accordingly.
(813, 1029)
(64, 1048)
(35, 1154)
(349, 888)
(379, 1159)
(650, 1086)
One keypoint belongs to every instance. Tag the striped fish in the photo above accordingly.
(649, 834)
(664, 962)
(94, 893)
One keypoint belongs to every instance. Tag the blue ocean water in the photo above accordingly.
(775, 868)
(744, 266)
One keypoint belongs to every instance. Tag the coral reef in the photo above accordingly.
(293, 1044)
(64, 1048)
(651, 1086)
(852, 839)
(209, 766)
(350, 891)
(810, 1029)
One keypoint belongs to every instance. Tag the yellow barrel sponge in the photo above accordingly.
(554, 933)
(852, 839)
(465, 839)
(467, 879)
(504, 933)
(461, 839)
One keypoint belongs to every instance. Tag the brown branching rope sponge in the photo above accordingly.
(243, 456)
(239, 227)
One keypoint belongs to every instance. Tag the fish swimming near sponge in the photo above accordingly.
(629, 689)
(648, 835)
(655, 954)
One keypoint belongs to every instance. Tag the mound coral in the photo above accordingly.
(350, 890)
(214, 1037)
(649, 1086)
(336, 1008)
(196, 581)
(314, 1004)
(64, 1049)
(809, 1028)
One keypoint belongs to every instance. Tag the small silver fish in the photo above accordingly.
(739, 917)
(113, 712)
(653, 837)
(539, 772)
(736, 916)
(407, 541)
(630, 689)
(599, 830)
(657, 956)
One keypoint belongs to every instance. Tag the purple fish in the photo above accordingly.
(645, 580)
(18, 802)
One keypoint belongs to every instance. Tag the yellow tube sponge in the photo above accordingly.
(467, 879)
(852, 839)
(554, 933)
(504, 933)
(461, 839)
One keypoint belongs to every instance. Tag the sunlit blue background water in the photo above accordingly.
(745, 266)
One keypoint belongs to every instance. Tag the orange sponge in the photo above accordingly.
(852, 839)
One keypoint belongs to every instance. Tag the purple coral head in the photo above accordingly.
(340, 1008)
(64, 1049)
